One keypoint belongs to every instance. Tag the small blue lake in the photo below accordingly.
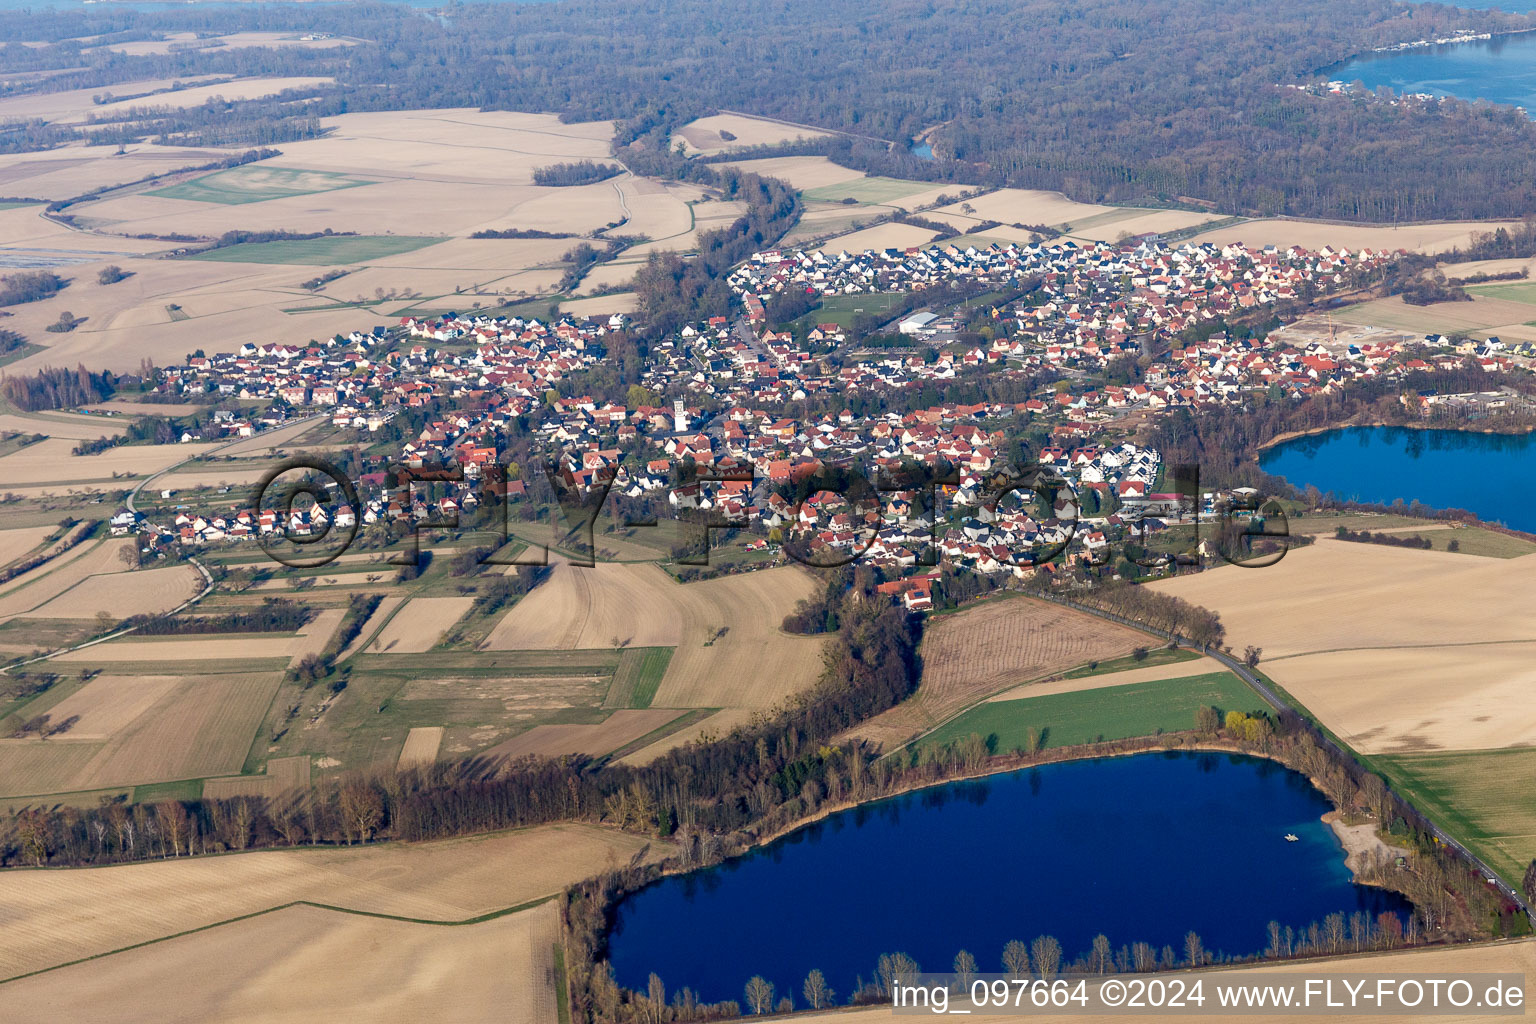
(1493, 475)
(1141, 848)
(1501, 70)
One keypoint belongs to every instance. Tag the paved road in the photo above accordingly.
(1267, 692)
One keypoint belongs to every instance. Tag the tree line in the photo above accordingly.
(580, 172)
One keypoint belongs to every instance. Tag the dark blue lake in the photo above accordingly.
(1141, 848)
(1493, 475)
(1502, 70)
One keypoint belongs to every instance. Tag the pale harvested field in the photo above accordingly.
(220, 475)
(50, 462)
(803, 172)
(225, 647)
(1028, 206)
(1177, 670)
(284, 775)
(703, 135)
(601, 305)
(1429, 238)
(55, 917)
(1132, 221)
(53, 578)
(232, 41)
(973, 654)
(1471, 267)
(420, 748)
(109, 704)
(436, 172)
(238, 89)
(1394, 649)
(75, 169)
(715, 727)
(72, 105)
(579, 607)
(881, 236)
(316, 635)
(621, 727)
(303, 964)
(79, 428)
(1517, 957)
(1482, 315)
(20, 541)
(121, 594)
(370, 626)
(420, 625)
(1334, 596)
(1419, 699)
(201, 726)
(755, 664)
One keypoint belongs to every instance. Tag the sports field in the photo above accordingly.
(256, 183)
(318, 252)
(1103, 713)
(1481, 797)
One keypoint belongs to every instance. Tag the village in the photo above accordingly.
(757, 410)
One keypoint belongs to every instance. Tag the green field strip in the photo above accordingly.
(1104, 713)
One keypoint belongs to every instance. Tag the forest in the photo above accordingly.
(1104, 100)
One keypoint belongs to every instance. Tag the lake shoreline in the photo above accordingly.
(1353, 848)
(1292, 435)
(1349, 846)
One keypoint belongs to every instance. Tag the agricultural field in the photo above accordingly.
(319, 252)
(58, 917)
(1431, 237)
(881, 236)
(1482, 798)
(49, 462)
(872, 190)
(724, 630)
(1108, 711)
(421, 746)
(37, 587)
(1419, 698)
(302, 963)
(18, 542)
(975, 653)
(1334, 595)
(255, 183)
(1483, 316)
(123, 594)
(285, 776)
(138, 731)
(707, 135)
(420, 625)
(619, 729)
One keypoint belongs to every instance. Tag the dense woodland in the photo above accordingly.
(1104, 100)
